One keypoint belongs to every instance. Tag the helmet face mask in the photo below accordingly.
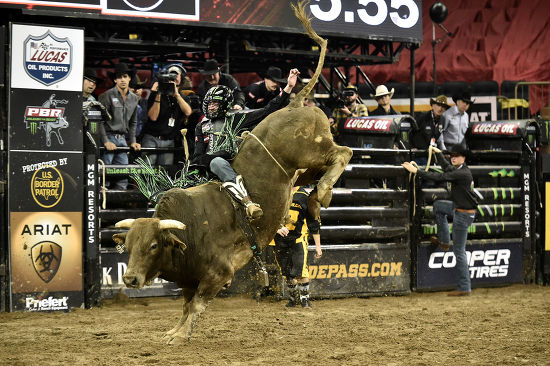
(220, 94)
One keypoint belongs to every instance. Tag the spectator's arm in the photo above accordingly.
(184, 105)
(153, 104)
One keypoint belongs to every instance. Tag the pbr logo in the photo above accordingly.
(46, 258)
(47, 58)
(47, 117)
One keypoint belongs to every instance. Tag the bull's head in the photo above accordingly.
(150, 244)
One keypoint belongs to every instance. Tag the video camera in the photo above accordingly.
(166, 83)
(348, 93)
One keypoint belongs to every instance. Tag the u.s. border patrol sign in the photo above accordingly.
(47, 57)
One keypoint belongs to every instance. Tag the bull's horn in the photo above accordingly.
(171, 224)
(126, 224)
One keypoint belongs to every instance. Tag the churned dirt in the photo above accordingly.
(496, 326)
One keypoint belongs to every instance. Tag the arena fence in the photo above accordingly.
(375, 235)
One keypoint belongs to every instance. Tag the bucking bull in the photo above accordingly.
(194, 238)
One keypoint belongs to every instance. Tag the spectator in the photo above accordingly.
(455, 122)
(383, 98)
(310, 101)
(429, 126)
(89, 84)
(167, 110)
(260, 93)
(461, 208)
(136, 87)
(213, 77)
(214, 144)
(291, 242)
(122, 105)
(348, 107)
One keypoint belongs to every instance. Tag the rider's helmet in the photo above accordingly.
(221, 94)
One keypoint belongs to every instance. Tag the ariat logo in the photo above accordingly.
(47, 187)
(47, 117)
(46, 258)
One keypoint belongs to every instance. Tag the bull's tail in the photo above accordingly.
(300, 12)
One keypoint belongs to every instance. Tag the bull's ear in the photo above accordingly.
(177, 243)
(120, 238)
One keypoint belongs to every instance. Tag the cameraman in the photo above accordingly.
(347, 106)
(167, 112)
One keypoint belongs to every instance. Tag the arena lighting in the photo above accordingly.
(438, 14)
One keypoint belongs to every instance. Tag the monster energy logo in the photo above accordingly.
(93, 127)
(34, 127)
(502, 173)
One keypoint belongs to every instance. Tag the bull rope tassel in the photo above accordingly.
(185, 147)
(103, 189)
(413, 177)
(246, 133)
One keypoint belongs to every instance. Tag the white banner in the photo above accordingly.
(47, 58)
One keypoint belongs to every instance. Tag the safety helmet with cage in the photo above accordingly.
(220, 94)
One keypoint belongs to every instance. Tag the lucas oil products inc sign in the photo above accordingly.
(45, 182)
(47, 58)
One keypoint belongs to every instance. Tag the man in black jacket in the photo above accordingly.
(214, 77)
(260, 93)
(214, 137)
(428, 123)
(461, 207)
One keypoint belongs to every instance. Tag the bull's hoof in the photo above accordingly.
(178, 339)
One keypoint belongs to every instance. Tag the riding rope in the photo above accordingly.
(246, 133)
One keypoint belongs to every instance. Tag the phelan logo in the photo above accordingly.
(47, 58)
(47, 187)
(46, 258)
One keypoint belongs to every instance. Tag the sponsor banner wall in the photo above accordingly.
(490, 264)
(374, 19)
(113, 267)
(360, 269)
(45, 182)
(45, 120)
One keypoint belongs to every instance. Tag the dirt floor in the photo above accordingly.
(496, 326)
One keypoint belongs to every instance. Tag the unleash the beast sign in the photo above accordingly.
(47, 58)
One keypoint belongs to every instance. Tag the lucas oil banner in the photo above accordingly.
(45, 191)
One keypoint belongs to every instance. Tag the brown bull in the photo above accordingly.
(203, 258)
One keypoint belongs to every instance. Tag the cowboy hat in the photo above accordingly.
(120, 69)
(459, 149)
(136, 83)
(465, 97)
(91, 74)
(441, 100)
(381, 90)
(210, 67)
(351, 87)
(275, 74)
